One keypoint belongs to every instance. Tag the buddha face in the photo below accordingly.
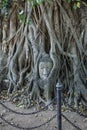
(44, 69)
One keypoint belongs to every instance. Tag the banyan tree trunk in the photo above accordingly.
(50, 44)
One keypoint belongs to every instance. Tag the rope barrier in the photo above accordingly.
(20, 113)
(71, 123)
(14, 125)
(75, 110)
(19, 127)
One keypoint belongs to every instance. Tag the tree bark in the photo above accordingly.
(52, 30)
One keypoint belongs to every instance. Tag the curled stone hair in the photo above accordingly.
(45, 58)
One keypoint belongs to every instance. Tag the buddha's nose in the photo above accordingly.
(44, 71)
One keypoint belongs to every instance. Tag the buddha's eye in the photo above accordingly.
(41, 67)
(47, 67)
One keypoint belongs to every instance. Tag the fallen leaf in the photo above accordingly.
(85, 119)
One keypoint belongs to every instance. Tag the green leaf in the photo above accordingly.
(78, 4)
(75, 6)
(39, 1)
(22, 16)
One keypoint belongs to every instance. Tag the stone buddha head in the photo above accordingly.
(45, 66)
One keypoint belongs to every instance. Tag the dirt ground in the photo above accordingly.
(37, 119)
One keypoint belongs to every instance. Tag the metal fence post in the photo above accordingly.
(59, 87)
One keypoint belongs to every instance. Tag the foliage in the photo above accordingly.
(22, 18)
(6, 4)
(77, 3)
